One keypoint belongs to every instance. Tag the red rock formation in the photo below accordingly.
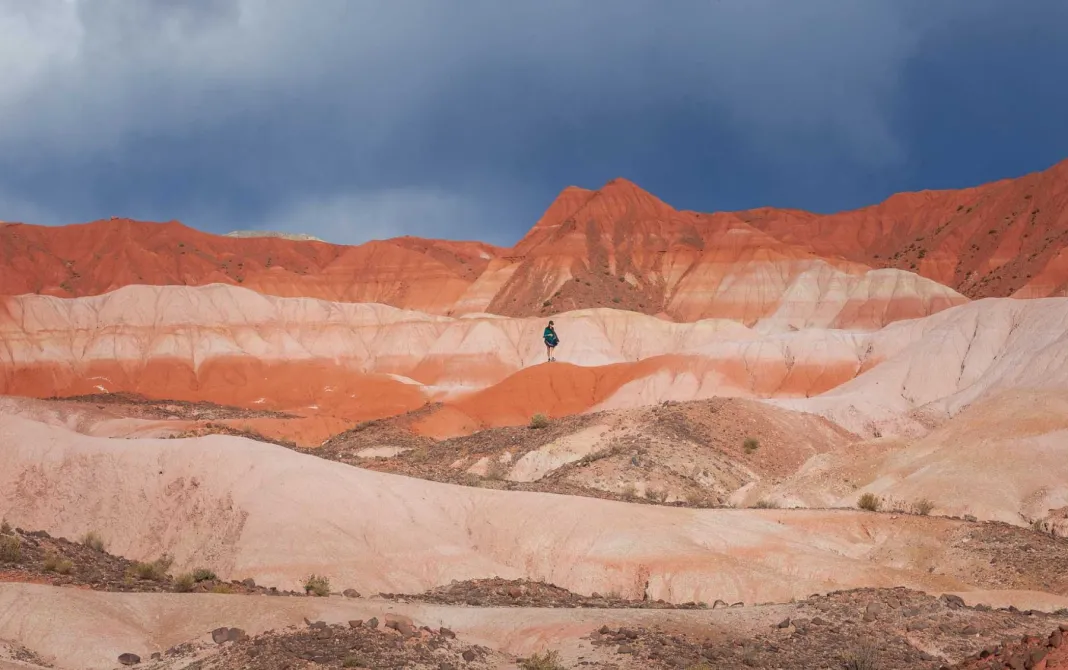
(622, 247)
(1000, 239)
(94, 258)
(617, 247)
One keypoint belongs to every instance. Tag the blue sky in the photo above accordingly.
(353, 120)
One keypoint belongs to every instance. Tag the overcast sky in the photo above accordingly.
(352, 119)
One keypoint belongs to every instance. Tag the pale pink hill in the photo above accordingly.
(247, 509)
(952, 359)
(1002, 458)
(232, 346)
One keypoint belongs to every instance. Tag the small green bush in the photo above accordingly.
(539, 421)
(869, 502)
(317, 585)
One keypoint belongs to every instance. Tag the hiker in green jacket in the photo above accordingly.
(551, 340)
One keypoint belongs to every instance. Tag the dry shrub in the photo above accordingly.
(870, 502)
(751, 444)
(57, 564)
(203, 575)
(862, 657)
(154, 571)
(184, 582)
(496, 470)
(5, 527)
(10, 549)
(93, 540)
(656, 494)
(550, 660)
(539, 420)
(764, 503)
(317, 585)
(923, 507)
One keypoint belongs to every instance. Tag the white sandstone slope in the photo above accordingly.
(950, 360)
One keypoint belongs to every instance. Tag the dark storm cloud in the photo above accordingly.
(351, 119)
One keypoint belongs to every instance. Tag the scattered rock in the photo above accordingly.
(372, 623)
(402, 624)
(356, 623)
(445, 632)
(220, 635)
(952, 601)
(468, 655)
(872, 611)
(351, 593)
(129, 659)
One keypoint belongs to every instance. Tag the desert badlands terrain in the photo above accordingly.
(771, 439)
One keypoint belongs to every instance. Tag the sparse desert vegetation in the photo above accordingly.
(93, 540)
(317, 585)
(539, 421)
(152, 570)
(10, 549)
(57, 564)
(870, 502)
(922, 507)
(549, 660)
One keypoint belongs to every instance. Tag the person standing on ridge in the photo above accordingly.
(551, 340)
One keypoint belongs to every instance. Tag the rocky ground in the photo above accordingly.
(37, 557)
(866, 629)
(692, 454)
(1029, 652)
(394, 642)
(140, 407)
(525, 593)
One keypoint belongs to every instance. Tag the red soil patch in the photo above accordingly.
(307, 388)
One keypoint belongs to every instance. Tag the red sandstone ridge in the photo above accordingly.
(1005, 238)
(623, 247)
(618, 247)
(101, 256)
